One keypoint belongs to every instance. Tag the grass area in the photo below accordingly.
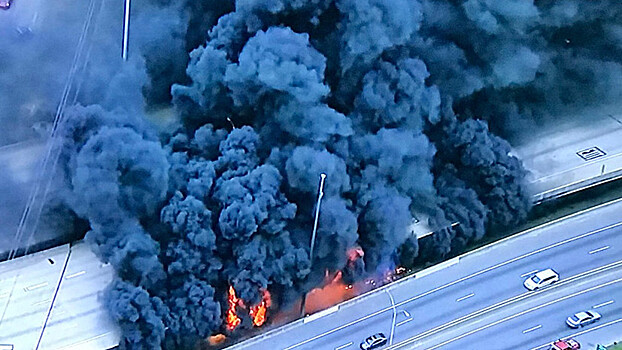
(615, 347)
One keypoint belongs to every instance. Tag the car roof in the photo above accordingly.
(375, 336)
(562, 344)
(545, 273)
(581, 315)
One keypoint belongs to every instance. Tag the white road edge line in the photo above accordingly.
(529, 273)
(581, 333)
(602, 304)
(403, 322)
(598, 250)
(532, 329)
(465, 297)
(475, 274)
(344, 346)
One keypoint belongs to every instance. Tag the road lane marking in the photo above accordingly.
(405, 321)
(73, 275)
(602, 304)
(394, 316)
(598, 250)
(532, 329)
(580, 333)
(529, 273)
(406, 313)
(506, 302)
(462, 279)
(344, 346)
(465, 297)
(35, 286)
(507, 318)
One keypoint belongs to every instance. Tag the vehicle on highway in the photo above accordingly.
(374, 342)
(541, 279)
(568, 344)
(582, 318)
(5, 4)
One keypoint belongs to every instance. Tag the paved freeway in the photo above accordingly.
(533, 319)
(459, 287)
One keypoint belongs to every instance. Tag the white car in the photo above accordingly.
(541, 279)
(373, 342)
(5, 4)
(583, 318)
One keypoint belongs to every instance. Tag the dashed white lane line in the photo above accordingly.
(465, 297)
(36, 286)
(598, 250)
(73, 275)
(602, 304)
(529, 273)
(343, 346)
(405, 321)
(532, 329)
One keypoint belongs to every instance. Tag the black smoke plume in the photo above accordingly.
(396, 101)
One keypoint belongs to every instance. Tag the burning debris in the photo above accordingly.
(257, 313)
(232, 320)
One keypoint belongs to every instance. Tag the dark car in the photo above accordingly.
(5, 4)
(374, 342)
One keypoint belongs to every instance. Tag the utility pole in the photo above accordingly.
(126, 30)
(313, 235)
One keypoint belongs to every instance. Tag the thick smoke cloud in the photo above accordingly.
(372, 26)
(523, 63)
(390, 99)
(138, 314)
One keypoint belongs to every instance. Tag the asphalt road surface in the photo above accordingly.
(534, 319)
(424, 305)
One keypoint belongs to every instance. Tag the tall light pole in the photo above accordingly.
(126, 30)
(317, 216)
(313, 235)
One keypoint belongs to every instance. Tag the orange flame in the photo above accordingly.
(232, 317)
(258, 312)
(216, 339)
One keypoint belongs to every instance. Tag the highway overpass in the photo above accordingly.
(427, 309)
(52, 300)
(573, 156)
